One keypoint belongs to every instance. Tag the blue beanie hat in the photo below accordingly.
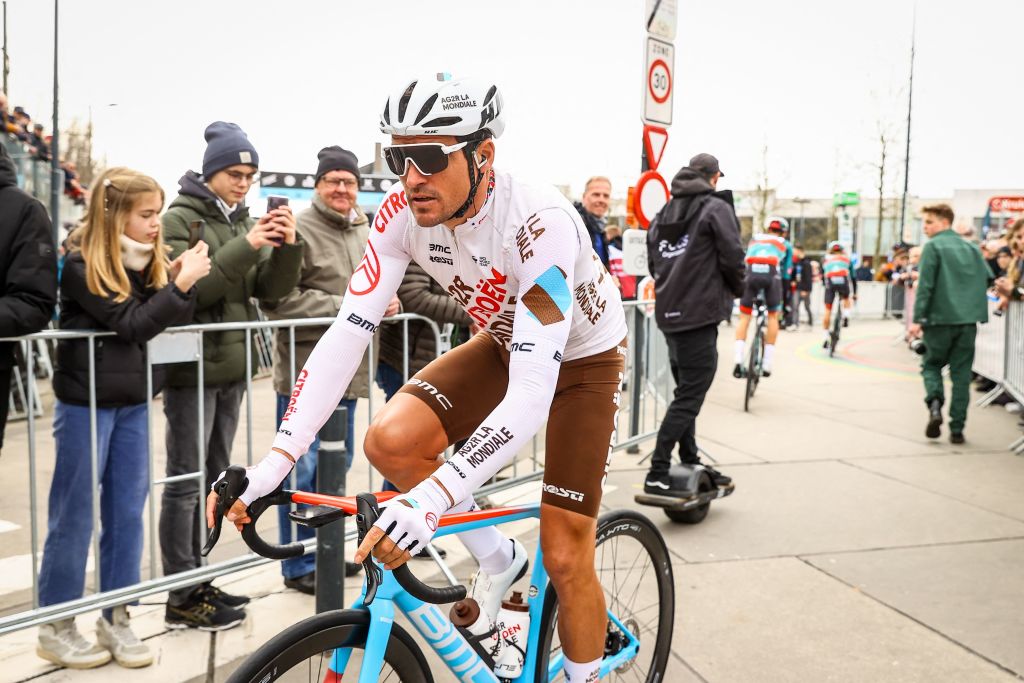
(227, 145)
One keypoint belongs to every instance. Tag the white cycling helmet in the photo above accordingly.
(441, 105)
(776, 223)
(835, 247)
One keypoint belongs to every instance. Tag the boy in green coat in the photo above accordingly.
(950, 303)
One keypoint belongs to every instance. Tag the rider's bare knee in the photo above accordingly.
(383, 444)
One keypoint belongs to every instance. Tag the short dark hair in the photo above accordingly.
(940, 210)
(798, 246)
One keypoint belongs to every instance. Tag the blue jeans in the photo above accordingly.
(389, 379)
(123, 473)
(305, 480)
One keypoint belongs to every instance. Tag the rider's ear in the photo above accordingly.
(484, 153)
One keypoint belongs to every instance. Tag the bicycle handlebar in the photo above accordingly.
(368, 512)
(234, 483)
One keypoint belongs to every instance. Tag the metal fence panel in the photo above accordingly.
(990, 346)
(1013, 376)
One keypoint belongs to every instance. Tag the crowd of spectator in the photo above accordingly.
(18, 124)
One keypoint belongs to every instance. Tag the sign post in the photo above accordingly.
(651, 189)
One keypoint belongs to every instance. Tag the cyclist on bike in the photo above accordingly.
(768, 255)
(520, 261)
(837, 273)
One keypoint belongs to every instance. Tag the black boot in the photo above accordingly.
(934, 419)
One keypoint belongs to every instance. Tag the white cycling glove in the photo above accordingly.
(264, 477)
(410, 519)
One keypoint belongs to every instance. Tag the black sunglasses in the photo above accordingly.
(428, 158)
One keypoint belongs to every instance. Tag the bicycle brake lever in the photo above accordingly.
(367, 513)
(228, 489)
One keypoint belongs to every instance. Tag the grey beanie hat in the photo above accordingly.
(227, 145)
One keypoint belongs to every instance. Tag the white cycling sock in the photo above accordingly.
(769, 355)
(582, 673)
(740, 344)
(486, 543)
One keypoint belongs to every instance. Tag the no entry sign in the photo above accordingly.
(650, 195)
(658, 81)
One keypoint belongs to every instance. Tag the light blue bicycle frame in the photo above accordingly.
(446, 640)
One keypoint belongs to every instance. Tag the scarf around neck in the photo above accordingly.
(135, 255)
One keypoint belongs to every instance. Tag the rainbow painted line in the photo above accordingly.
(848, 355)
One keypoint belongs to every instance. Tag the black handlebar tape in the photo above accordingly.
(369, 512)
(418, 589)
(252, 537)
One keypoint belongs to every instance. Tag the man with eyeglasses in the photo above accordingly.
(250, 258)
(520, 262)
(334, 232)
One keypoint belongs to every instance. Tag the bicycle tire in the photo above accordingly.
(837, 322)
(611, 527)
(313, 639)
(753, 369)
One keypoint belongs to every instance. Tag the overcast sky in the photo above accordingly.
(811, 80)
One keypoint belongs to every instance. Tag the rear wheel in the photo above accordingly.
(302, 653)
(753, 367)
(635, 572)
(837, 322)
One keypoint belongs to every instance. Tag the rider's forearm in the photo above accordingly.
(323, 380)
(509, 427)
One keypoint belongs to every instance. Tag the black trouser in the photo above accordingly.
(804, 299)
(693, 357)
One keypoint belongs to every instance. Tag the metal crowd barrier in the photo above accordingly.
(648, 390)
(873, 301)
(990, 352)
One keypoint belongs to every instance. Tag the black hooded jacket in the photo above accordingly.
(28, 263)
(695, 255)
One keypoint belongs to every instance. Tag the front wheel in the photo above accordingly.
(303, 653)
(635, 573)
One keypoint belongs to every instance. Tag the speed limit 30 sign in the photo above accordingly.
(658, 85)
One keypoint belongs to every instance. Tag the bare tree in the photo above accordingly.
(764, 194)
(78, 149)
(885, 140)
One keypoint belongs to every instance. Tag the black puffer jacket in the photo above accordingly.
(120, 360)
(28, 263)
(695, 255)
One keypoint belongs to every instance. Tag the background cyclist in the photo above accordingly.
(520, 262)
(837, 274)
(768, 255)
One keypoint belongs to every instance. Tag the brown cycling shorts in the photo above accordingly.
(464, 385)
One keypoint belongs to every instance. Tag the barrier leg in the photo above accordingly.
(330, 539)
(635, 382)
(987, 399)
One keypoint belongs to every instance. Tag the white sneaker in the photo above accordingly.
(128, 650)
(490, 590)
(62, 644)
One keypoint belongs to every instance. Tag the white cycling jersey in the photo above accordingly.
(524, 270)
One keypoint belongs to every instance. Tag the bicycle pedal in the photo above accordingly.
(316, 516)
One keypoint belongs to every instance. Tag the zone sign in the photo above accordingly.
(658, 81)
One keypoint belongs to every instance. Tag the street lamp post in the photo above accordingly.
(56, 176)
(800, 224)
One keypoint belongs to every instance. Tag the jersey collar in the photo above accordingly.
(485, 211)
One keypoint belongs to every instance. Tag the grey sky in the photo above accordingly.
(812, 80)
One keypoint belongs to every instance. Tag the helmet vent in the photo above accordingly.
(490, 94)
(425, 109)
(443, 121)
(403, 103)
(387, 112)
